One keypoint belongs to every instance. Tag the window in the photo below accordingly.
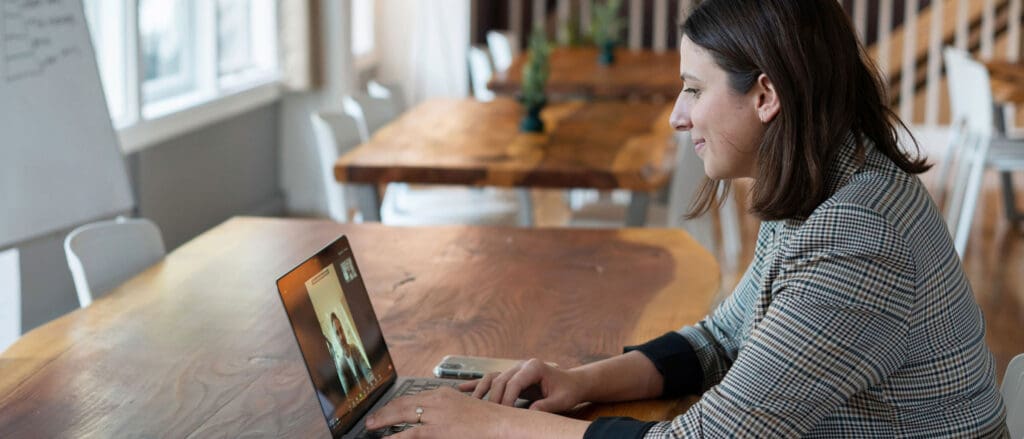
(167, 49)
(108, 28)
(362, 31)
(159, 57)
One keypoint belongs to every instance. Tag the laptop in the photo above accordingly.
(341, 342)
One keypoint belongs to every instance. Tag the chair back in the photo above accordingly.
(479, 73)
(370, 113)
(335, 133)
(104, 254)
(391, 92)
(504, 48)
(972, 108)
(1013, 396)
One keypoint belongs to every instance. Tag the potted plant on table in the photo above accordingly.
(606, 27)
(535, 76)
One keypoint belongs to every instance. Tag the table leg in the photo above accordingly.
(1010, 198)
(637, 214)
(368, 199)
(526, 210)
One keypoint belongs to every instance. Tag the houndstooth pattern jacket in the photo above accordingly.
(855, 322)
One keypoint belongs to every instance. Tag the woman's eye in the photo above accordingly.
(692, 91)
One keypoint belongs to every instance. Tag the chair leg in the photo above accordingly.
(973, 189)
(526, 209)
(1013, 214)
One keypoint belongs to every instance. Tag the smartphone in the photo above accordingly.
(471, 368)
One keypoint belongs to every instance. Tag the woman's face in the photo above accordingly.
(726, 127)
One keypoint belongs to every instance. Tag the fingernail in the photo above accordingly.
(370, 420)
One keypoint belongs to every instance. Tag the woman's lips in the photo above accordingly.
(698, 145)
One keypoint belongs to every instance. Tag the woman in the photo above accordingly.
(854, 318)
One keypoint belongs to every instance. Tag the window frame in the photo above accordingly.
(367, 60)
(178, 105)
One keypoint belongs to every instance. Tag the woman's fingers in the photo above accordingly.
(483, 385)
(530, 372)
(469, 385)
(498, 386)
(399, 411)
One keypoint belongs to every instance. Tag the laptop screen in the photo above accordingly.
(337, 333)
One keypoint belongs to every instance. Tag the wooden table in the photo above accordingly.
(1007, 80)
(575, 71)
(200, 346)
(599, 145)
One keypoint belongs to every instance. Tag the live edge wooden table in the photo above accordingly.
(597, 145)
(576, 72)
(200, 346)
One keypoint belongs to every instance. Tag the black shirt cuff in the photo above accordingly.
(618, 427)
(675, 358)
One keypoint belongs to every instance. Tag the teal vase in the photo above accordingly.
(607, 55)
(531, 122)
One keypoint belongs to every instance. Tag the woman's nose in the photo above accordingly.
(680, 118)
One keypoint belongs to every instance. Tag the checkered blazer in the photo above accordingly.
(856, 322)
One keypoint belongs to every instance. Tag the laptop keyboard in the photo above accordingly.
(409, 387)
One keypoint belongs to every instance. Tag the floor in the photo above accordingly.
(994, 261)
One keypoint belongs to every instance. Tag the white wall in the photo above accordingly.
(300, 179)
(186, 185)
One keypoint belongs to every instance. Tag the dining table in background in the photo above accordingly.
(586, 144)
(575, 71)
(199, 344)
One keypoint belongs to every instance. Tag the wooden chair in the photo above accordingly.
(104, 254)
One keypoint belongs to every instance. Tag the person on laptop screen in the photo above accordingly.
(855, 318)
(353, 371)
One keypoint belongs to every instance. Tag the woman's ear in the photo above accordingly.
(767, 103)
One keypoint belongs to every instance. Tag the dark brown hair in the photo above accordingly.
(827, 86)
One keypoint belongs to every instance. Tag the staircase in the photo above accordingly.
(915, 78)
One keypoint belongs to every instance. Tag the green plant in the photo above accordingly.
(536, 69)
(606, 24)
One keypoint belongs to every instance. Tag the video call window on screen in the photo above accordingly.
(340, 334)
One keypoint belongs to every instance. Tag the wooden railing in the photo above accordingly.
(989, 29)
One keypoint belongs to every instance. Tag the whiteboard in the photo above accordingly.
(60, 162)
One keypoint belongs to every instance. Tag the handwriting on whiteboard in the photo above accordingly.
(31, 36)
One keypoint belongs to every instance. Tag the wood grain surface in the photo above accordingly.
(576, 72)
(602, 145)
(200, 346)
(1007, 80)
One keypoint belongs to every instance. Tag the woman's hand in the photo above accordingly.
(446, 413)
(560, 390)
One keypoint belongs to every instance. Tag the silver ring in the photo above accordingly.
(419, 414)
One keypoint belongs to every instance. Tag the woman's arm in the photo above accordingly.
(836, 325)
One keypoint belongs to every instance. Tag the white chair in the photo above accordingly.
(974, 145)
(335, 134)
(403, 204)
(1013, 396)
(686, 178)
(390, 92)
(504, 46)
(10, 298)
(480, 72)
(104, 254)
